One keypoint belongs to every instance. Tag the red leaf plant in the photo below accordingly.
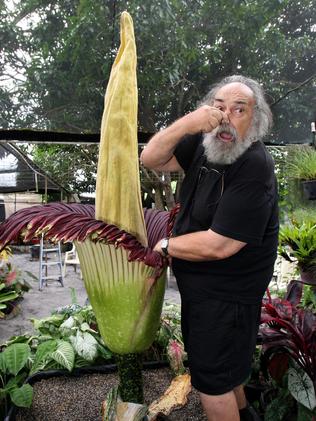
(10, 278)
(288, 332)
(176, 356)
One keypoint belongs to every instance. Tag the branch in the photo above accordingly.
(73, 126)
(84, 153)
(294, 89)
(7, 76)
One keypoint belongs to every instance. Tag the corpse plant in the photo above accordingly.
(124, 277)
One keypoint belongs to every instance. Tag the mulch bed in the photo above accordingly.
(79, 398)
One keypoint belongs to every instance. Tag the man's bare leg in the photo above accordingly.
(240, 397)
(220, 407)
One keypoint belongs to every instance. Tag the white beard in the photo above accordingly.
(219, 152)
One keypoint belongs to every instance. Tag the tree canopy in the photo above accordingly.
(56, 58)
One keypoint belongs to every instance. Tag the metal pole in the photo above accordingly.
(45, 190)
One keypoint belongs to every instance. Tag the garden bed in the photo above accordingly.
(79, 397)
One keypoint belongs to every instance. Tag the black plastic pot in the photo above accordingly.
(254, 391)
(309, 189)
(35, 250)
(308, 278)
(78, 372)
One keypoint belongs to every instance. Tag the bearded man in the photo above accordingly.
(224, 242)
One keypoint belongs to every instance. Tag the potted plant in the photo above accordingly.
(12, 288)
(298, 241)
(288, 335)
(302, 167)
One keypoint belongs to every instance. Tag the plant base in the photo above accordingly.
(130, 375)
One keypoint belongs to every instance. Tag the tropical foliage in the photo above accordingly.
(169, 338)
(14, 361)
(302, 163)
(298, 241)
(69, 339)
(288, 354)
(12, 287)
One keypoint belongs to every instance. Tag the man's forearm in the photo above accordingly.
(162, 145)
(202, 246)
(195, 247)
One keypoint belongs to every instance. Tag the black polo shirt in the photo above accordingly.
(238, 201)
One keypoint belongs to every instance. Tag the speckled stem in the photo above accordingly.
(130, 375)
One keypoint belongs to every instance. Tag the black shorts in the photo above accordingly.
(220, 338)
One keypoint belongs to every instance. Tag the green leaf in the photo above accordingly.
(20, 339)
(301, 388)
(85, 327)
(64, 355)
(85, 345)
(67, 326)
(2, 363)
(3, 393)
(22, 396)
(43, 355)
(104, 352)
(15, 381)
(304, 414)
(278, 408)
(49, 324)
(111, 403)
(81, 362)
(8, 296)
(16, 356)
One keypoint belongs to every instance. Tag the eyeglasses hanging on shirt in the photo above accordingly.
(207, 173)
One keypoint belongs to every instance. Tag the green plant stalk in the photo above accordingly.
(126, 298)
(130, 374)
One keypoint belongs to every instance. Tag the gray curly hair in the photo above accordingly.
(262, 118)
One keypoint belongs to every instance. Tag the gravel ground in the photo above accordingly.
(79, 398)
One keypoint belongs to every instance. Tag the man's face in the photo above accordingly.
(236, 101)
(228, 141)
